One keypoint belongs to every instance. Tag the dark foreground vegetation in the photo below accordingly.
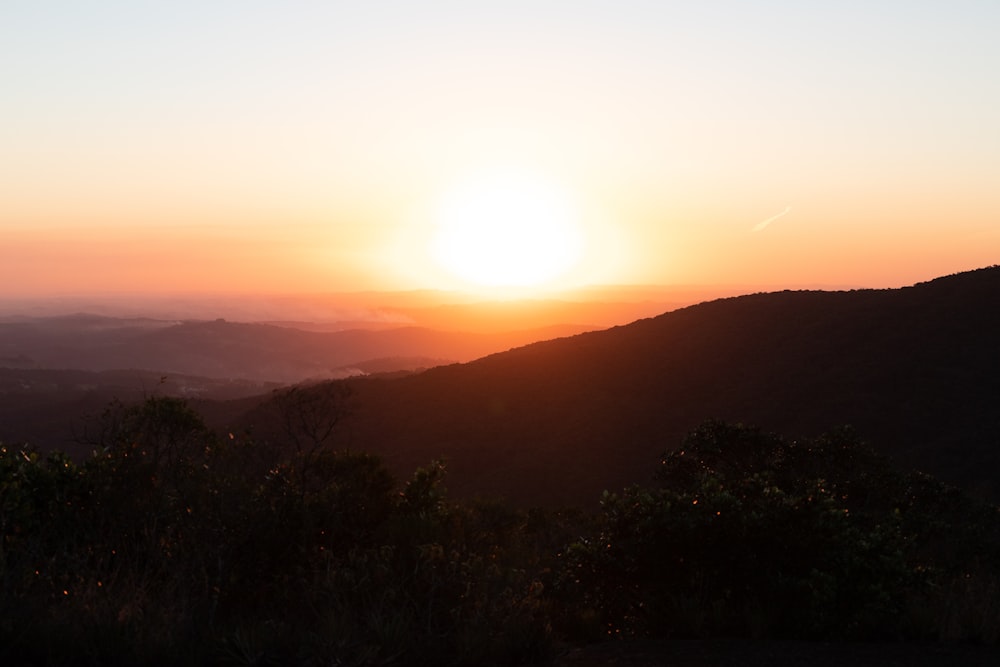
(174, 545)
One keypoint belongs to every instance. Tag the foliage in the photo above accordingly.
(751, 535)
(172, 545)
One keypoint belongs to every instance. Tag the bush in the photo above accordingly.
(751, 535)
(171, 545)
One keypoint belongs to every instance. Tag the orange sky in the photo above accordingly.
(257, 147)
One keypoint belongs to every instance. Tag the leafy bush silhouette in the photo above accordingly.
(748, 534)
(172, 545)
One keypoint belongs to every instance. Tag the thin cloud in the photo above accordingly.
(764, 223)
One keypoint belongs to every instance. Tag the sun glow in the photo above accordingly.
(507, 230)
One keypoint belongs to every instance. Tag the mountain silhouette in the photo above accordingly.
(240, 350)
(916, 371)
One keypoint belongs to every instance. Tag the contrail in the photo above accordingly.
(761, 225)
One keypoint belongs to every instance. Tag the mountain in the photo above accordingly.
(237, 350)
(915, 371)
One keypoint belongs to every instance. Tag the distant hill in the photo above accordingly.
(236, 350)
(915, 370)
(58, 371)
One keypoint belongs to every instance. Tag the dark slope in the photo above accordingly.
(915, 370)
(53, 409)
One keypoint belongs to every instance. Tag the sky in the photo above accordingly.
(301, 147)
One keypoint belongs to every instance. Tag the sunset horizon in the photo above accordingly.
(511, 151)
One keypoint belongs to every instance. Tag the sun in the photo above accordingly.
(506, 230)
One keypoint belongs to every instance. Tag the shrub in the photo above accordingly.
(751, 535)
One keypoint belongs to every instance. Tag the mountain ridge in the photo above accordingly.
(555, 422)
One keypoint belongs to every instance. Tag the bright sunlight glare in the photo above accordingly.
(506, 230)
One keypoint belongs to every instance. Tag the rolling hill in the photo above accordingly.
(239, 350)
(915, 370)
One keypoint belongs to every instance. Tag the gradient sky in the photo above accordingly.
(304, 146)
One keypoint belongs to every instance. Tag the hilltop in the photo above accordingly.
(914, 370)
